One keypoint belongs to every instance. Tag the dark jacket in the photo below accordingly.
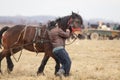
(58, 37)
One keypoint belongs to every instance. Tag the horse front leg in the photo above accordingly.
(10, 64)
(44, 61)
(42, 66)
(57, 66)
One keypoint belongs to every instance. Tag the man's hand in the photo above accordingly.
(67, 30)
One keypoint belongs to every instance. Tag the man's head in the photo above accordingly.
(51, 25)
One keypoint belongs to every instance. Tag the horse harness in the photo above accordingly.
(34, 41)
(38, 31)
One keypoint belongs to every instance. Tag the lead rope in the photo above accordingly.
(72, 41)
(75, 37)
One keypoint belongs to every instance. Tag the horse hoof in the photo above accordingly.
(1, 72)
(9, 71)
(40, 73)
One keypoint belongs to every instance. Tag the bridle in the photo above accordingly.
(70, 25)
(70, 22)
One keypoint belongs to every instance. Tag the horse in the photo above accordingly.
(35, 39)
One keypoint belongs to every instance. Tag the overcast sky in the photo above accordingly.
(88, 9)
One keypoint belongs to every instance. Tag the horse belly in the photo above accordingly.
(35, 48)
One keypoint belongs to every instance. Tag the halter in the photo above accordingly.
(70, 22)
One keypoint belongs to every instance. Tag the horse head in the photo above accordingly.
(68, 22)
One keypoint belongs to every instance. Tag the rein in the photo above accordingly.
(70, 26)
(74, 39)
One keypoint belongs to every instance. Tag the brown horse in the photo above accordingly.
(34, 38)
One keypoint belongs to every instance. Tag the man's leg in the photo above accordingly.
(67, 64)
(64, 59)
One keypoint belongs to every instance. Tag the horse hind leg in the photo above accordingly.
(8, 59)
(10, 64)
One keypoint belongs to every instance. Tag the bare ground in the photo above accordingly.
(91, 60)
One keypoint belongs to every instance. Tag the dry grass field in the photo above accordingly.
(91, 60)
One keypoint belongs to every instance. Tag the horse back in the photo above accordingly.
(11, 35)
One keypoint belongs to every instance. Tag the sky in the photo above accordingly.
(88, 9)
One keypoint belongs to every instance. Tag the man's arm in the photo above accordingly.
(64, 34)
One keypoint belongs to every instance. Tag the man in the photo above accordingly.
(58, 37)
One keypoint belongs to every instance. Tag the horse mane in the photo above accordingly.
(62, 23)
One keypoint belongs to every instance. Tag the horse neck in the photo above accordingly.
(64, 22)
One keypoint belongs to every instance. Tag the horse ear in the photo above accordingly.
(73, 13)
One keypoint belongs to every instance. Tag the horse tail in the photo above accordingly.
(1, 32)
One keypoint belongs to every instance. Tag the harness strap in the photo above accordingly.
(25, 29)
(44, 33)
(37, 32)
